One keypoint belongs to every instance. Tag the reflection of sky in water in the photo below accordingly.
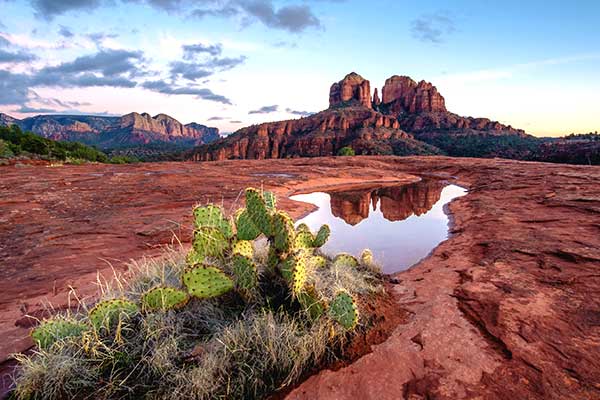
(396, 245)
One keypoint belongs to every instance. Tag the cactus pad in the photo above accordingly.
(293, 269)
(270, 200)
(209, 242)
(246, 229)
(366, 257)
(322, 236)
(244, 248)
(245, 272)
(283, 231)
(53, 330)
(317, 261)
(302, 228)
(344, 259)
(343, 310)
(109, 313)
(258, 211)
(212, 216)
(205, 282)
(304, 240)
(164, 298)
(310, 302)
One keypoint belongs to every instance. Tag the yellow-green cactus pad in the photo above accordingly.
(302, 228)
(163, 299)
(310, 302)
(204, 282)
(209, 242)
(283, 231)
(293, 269)
(53, 330)
(109, 313)
(322, 236)
(244, 248)
(245, 272)
(317, 261)
(344, 259)
(270, 200)
(258, 211)
(212, 216)
(246, 228)
(304, 240)
(343, 310)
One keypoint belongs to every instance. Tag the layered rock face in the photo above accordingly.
(353, 89)
(411, 111)
(318, 135)
(401, 94)
(108, 132)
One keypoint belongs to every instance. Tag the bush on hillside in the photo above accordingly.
(346, 151)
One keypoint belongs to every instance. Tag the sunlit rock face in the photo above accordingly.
(396, 203)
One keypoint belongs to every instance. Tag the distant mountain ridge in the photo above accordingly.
(130, 130)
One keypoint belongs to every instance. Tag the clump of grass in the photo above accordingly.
(245, 343)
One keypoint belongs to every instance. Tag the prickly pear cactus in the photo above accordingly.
(163, 299)
(322, 236)
(302, 228)
(304, 240)
(283, 231)
(317, 262)
(343, 310)
(366, 257)
(344, 259)
(293, 269)
(209, 242)
(245, 272)
(204, 282)
(244, 248)
(53, 330)
(272, 258)
(212, 216)
(310, 302)
(270, 200)
(109, 313)
(258, 211)
(246, 229)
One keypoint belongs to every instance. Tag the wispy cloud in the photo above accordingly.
(433, 28)
(265, 110)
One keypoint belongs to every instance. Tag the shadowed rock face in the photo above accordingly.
(320, 134)
(352, 89)
(111, 132)
(396, 203)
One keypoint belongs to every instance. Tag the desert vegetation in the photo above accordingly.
(250, 309)
(16, 143)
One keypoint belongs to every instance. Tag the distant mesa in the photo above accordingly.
(132, 129)
(404, 121)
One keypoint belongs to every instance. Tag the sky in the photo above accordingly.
(232, 63)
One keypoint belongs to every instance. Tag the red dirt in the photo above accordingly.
(508, 307)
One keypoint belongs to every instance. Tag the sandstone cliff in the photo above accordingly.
(320, 134)
(352, 90)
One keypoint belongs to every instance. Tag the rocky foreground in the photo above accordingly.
(508, 307)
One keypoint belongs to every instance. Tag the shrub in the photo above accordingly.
(346, 151)
(248, 310)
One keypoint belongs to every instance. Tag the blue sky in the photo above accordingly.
(231, 63)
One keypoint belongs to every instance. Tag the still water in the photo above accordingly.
(400, 224)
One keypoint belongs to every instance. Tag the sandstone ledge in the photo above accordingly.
(506, 308)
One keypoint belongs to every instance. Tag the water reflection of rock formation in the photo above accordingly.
(396, 203)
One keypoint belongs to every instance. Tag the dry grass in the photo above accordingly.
(221, 348)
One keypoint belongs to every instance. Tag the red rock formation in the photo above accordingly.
(403, 95)
(376, 99)
(352, 89)
(318, 135)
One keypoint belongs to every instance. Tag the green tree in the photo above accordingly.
(346, 151)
